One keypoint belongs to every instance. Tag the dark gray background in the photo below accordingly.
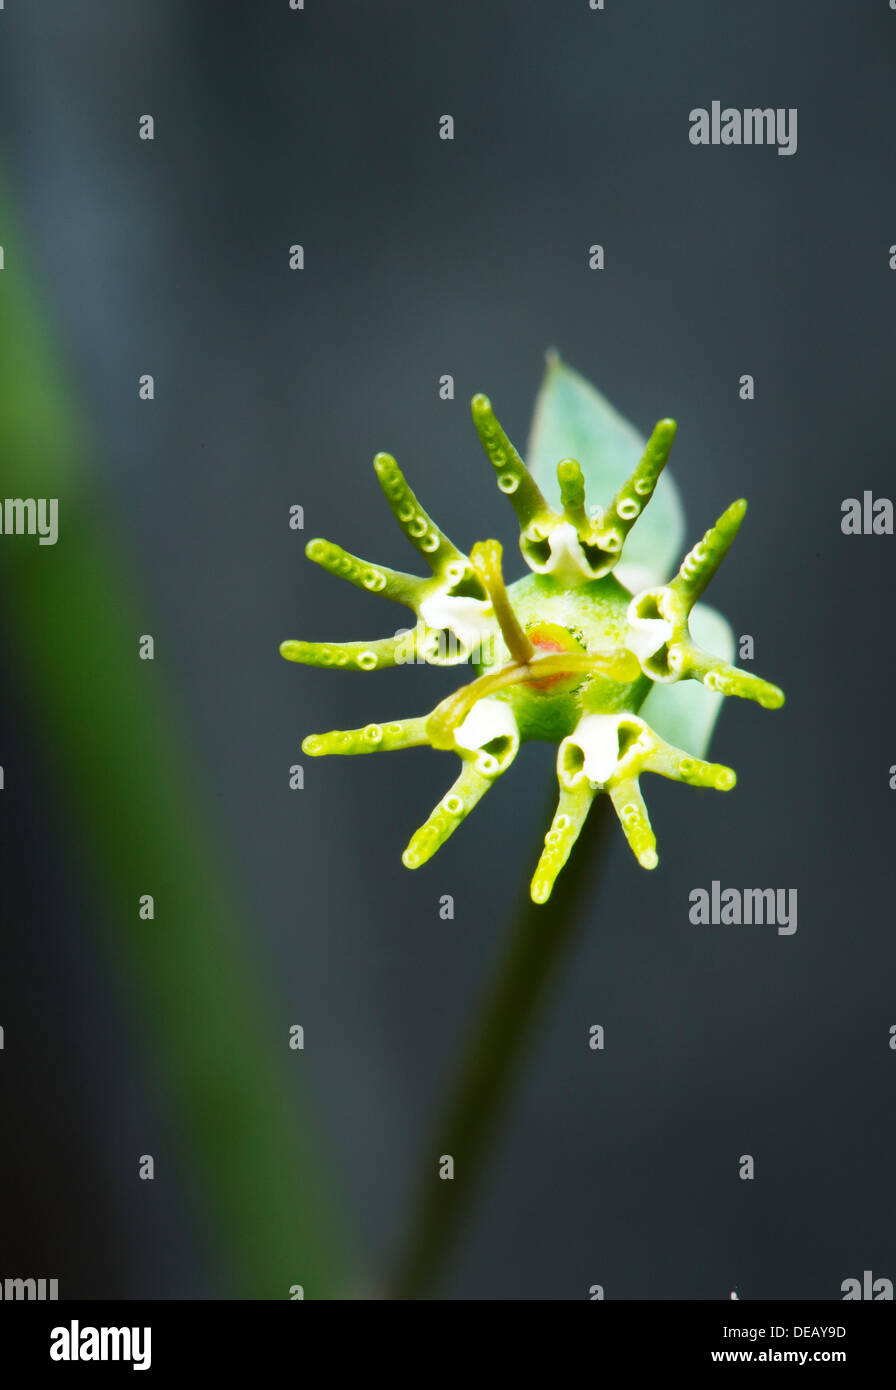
(425, 257)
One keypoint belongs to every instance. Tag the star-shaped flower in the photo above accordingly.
(568, 653)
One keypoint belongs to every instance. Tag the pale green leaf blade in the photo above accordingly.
(573, 420)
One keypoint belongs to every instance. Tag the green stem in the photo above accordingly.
(537, 942)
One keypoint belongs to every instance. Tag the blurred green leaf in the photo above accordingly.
(573, 420)
(140, 821)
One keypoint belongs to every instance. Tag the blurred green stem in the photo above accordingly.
(535, 945)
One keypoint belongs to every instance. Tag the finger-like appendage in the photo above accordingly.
(514, 478)
(373, 738)
(354, 656)
(632, 812)
(700, 564)
(486, 560)
(636, 491)
(572, 495)
(470, 786)
(378, 579)
(683, 767)
(417, 525)
(727, 680)
(572, 808)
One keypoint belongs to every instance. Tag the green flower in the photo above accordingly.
(580, 651)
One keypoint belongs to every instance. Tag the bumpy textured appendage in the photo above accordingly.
(659, 629)
(352, 656)
(454, 808)
(570, 544)
(514, 478)
(727, 680)
(373, 738)
(571, 814)
(418, 525)
(376, 579)
(608, 753)
(636, 491)
(700, 564)
(572, 496)
(680, 766)
(630, 807)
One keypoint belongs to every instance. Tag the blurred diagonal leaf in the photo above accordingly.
(141, 826)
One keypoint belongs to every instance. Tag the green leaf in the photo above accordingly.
(573, 420)
(685, 713)
(141, 817)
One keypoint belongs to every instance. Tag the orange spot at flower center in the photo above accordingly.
(549, 639)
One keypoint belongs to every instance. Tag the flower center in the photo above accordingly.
(550, 638)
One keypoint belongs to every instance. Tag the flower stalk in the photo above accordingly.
(568, 654)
